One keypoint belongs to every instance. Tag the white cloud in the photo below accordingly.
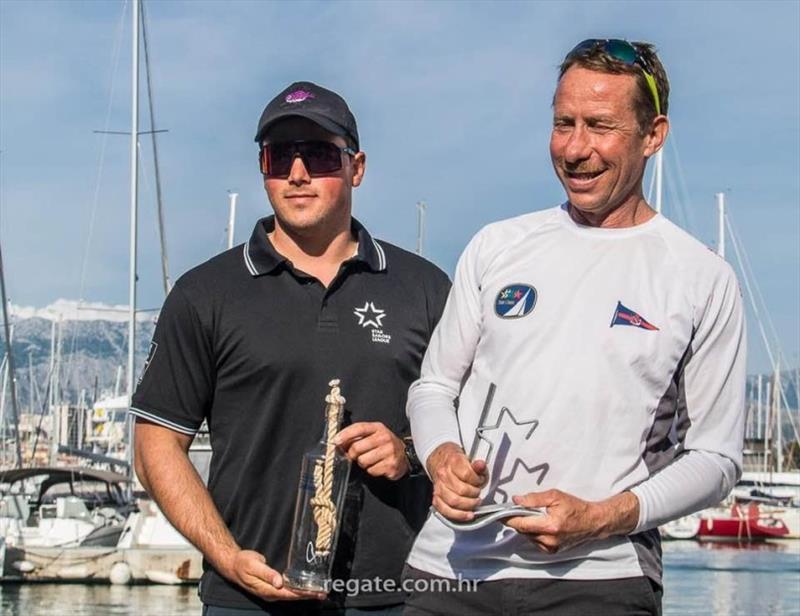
(71, 310)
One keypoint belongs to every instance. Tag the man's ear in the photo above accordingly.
(359, 167)
(656, 136)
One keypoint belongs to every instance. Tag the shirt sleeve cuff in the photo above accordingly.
(161, 421)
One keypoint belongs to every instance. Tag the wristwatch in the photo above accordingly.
(414, 465)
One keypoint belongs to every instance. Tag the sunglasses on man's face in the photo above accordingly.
(319, 157)
(626, 53)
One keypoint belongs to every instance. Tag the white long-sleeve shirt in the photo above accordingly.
(592, 361)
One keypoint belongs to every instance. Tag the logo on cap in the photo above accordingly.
(298, 96)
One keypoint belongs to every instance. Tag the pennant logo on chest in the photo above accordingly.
(625, 316)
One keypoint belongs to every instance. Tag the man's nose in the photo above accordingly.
(578, 146)
(298, 174)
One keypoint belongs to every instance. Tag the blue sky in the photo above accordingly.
(453, 103)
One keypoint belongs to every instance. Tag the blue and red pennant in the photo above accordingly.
(626, 316)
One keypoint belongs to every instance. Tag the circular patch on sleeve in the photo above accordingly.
(515, 301)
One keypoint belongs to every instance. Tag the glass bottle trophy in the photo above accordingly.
(318, 510)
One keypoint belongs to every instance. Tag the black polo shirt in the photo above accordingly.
(249, 343)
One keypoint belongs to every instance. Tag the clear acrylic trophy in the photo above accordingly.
(318, 510)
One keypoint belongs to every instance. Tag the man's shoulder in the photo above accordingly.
(212, 276)
(502, 234)
(691, 254)
(527, 221)
(404, 261)
(699, 272)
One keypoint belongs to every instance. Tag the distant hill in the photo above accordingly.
(94, 343)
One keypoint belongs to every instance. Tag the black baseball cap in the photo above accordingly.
(308, 100)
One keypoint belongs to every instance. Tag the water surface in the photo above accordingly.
(700, 580)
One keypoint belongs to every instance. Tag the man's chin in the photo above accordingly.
(588, 209)
(585, 204)
(299, 224)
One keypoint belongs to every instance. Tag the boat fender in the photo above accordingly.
(162, 577)
(120, 573)
(24, 566)
(74, 572)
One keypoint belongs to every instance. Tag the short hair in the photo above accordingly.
(595, 58)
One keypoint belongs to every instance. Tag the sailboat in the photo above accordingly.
(765, 503)
(65, 545)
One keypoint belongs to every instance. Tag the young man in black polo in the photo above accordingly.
(249, 340)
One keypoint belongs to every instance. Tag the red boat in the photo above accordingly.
(742, 522)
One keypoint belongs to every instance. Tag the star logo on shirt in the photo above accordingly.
(370, 316)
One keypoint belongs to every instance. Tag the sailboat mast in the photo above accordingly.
(776, 400)
(759, 411)
(721, 231)
(231, 217)
(51, 370)
(10, 362)
(421, 207)
(768, 427)
(134, 219)
(4, 372)
(31, 384)
(55, 410)
(154, 134)
(659, 173)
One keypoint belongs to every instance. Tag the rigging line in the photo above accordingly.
(33, 394)
(652, 182)
(678, 166)
(103, 143)
(147, 191)
(750, 296)
(9, 351)
(679, 198)
(681, 188)
(680, 210)
(760, 297)
(735, 243)
(159, 200)
(99, 178)
(788, 414)
(770, 322)
(3, 404)
(41, 417)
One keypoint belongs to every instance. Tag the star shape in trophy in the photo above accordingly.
(507, 429)
(369, 315)
(513, 426)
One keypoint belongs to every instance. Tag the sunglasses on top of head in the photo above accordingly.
(626, 53)
(319, 157)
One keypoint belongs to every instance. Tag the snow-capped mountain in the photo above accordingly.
(93, 341)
